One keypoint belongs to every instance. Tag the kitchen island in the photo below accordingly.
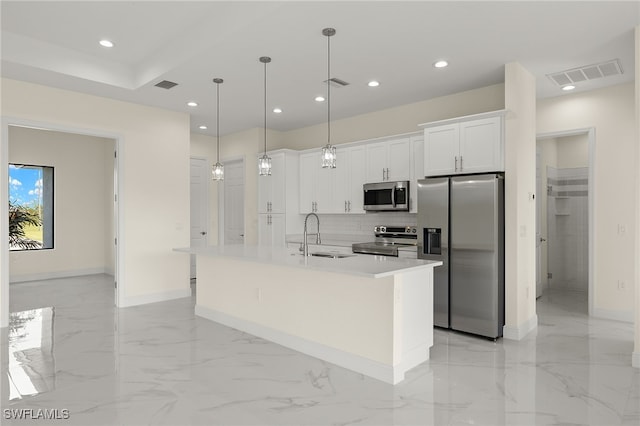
(370, 314)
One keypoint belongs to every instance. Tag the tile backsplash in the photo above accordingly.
(362, 224)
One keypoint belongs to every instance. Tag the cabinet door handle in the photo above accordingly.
(388, 173)
(456, 166)
(461, 163)
(345, 206)
(349, 205)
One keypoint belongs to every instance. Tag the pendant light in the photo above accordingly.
(218, 169)
(264, 162)
(329, 151)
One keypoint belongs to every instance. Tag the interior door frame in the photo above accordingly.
(119, 266)
(206, 198)
(221, 188)
(591, 138)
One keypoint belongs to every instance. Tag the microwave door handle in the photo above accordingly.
(393, 197)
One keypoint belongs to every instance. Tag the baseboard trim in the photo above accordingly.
(625, 316)
(57, 274)
(519, 332)
(154, 297)
(385, 373)
(635, 359)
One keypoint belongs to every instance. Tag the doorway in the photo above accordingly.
(231, 209)
(564, 218)
(98, 184)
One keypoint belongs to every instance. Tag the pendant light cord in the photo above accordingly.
(218, 122)
(328, 90)
(265, 108)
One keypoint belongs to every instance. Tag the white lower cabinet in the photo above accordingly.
(272, 230)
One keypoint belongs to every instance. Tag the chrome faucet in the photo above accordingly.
(305, 249)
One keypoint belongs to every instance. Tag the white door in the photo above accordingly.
(199, 200)
(539, 237)
(234, 202)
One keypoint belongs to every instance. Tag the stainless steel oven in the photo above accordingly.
(389, 240)
(386, 196)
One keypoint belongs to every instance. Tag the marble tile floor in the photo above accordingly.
(69, 349)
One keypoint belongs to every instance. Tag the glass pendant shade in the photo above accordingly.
(218, 171)
(264, 165)
(329, 157)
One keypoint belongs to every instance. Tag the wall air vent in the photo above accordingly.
(588, 72)
(336, 82)
(166, 84)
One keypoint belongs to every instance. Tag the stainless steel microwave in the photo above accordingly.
(386, 196)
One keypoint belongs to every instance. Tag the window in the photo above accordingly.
(30, 207)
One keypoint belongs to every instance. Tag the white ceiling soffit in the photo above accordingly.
(587, 72)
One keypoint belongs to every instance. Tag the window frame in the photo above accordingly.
(48, 219)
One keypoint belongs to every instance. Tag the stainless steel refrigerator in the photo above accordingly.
(461, 223)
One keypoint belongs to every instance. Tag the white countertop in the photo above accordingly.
(363, 265)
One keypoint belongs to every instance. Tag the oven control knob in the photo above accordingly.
(383, 229)
(413, 230)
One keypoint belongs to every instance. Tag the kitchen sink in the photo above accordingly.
(332, 255)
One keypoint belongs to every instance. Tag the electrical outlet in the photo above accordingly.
(621, 285)
(622, 229)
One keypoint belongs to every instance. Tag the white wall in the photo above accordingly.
(394, 121)
(636, 350)
(611, 112)
(520, 185)
(153, 173)
(82, 202)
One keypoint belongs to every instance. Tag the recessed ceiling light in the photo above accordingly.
(192, 104)
(202, 127)
(106, 43)
(319, 98)
(277, 110)
(373, 83)
(440, 64)
(568, 87)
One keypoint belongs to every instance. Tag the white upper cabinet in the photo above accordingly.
(315, 184)
(388, 160)
(470, 144)
(480, 145)
(347, 180)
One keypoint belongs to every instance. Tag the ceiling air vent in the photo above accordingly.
(588, 72)
(166, 84)
(336, 82)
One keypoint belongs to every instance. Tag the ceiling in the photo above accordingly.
(190, 43)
